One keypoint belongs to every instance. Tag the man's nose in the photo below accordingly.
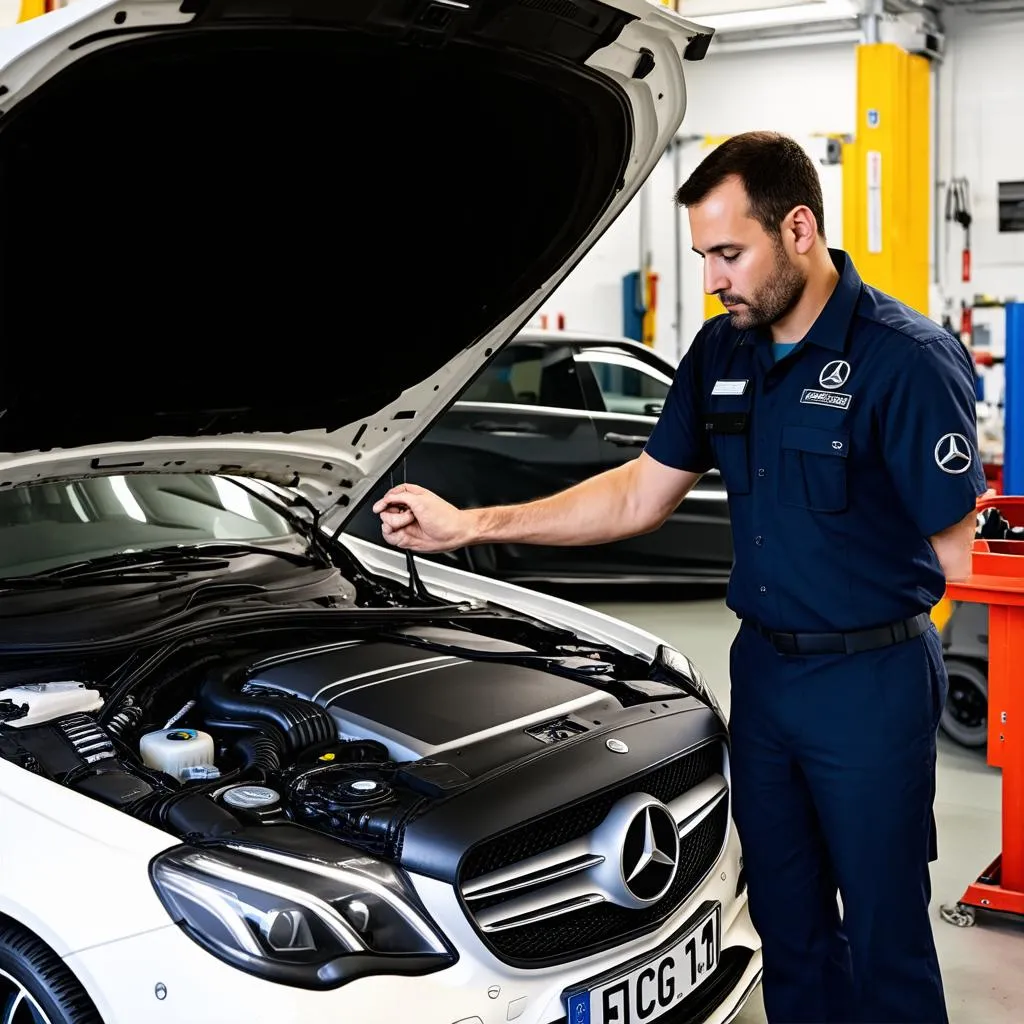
(714, 279)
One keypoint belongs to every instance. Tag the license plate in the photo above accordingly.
(652, 987)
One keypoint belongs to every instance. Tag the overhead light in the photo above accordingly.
(709, 8)
(745, 15)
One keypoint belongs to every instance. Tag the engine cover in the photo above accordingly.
(420, 703)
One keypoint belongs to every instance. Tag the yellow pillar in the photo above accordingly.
(886, 179)
(31, 9)
(712, 306)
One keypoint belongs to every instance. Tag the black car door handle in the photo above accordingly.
(493, 427)
(626, 440)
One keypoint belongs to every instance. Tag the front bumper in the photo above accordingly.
(162, 976)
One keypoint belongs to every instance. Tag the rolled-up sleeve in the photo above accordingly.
(679, 439)
(930, 436)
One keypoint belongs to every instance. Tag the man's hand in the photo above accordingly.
(415, 518)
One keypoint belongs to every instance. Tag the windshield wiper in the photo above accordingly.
(231, 549)
(154, 566)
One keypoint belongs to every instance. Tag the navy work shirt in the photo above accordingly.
(840, 460)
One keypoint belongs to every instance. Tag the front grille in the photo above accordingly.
(585, 926)
(700, 1005)
(568, 823)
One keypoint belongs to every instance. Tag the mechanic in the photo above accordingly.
(843, 424)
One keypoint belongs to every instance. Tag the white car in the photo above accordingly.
(252, 770)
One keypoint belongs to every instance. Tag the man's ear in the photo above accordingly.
(801, 227)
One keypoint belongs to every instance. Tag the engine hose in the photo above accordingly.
(126, 721)
(260, 752)
(301, 722)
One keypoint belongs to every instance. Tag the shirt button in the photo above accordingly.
(760, 472)
(759, 540)
(764, 590)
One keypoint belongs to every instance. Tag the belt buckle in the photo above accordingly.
(785, 643)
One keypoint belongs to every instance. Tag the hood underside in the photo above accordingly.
(278, 239)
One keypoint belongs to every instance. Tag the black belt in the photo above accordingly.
(844, 643)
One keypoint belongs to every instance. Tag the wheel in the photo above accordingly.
(962, 915)
(35, 985)
(965, 715)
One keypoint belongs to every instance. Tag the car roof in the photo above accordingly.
(554, 337)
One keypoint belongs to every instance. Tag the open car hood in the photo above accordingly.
(277, 238)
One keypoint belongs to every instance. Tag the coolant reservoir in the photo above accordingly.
(50, 700)
(174, 750)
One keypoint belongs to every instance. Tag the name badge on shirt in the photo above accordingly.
(729, 387)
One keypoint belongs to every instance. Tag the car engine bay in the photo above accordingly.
(353, 733)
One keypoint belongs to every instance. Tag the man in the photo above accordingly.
(843, 425)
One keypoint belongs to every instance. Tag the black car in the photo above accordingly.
(552, 409)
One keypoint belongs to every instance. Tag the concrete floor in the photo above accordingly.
(983, 966)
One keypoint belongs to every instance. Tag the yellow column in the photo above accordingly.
(31, 9)
(712, 306)
(886, 180)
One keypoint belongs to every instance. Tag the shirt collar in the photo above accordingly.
(832, 327)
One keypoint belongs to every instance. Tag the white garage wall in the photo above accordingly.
(981, 101)
(802, 91)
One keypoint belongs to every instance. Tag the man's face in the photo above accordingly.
(750, 271)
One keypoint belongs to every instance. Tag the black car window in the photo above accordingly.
(46, 525)
(627, 384)
(529, 375)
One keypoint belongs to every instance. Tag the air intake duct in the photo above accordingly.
(301, 723)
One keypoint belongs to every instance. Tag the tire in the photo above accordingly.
(36, 986)
(965, 715)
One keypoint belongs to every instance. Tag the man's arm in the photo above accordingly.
(953, 545)
(930, 446)
(623, 502)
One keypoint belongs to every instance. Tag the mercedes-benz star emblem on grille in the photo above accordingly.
(650, 853)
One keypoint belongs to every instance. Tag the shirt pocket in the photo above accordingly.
(814, 468)
(728, 421)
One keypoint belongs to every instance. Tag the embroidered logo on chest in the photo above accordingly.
(828, 399)
(834, 374)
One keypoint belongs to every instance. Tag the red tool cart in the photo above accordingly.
(997, 580)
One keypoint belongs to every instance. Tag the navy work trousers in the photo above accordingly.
(833, 776)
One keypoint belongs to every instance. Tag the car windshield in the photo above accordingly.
(45, 526)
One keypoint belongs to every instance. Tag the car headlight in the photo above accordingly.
(304, 923)
(685, 673)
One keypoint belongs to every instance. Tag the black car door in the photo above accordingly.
(625, 388)
(519, 431)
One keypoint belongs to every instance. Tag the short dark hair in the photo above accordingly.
(776, 172)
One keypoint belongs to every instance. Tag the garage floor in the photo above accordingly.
(983, 966)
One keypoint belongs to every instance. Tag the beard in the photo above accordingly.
(773, 300)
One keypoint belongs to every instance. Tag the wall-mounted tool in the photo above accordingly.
(958, 209)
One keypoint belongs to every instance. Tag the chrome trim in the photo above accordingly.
(542, 913)
(696, 804)
(542, 867)
(576, 875)
(448, 662)
(415, 748)
(285, 657)
(377, 672)
(543, 410)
